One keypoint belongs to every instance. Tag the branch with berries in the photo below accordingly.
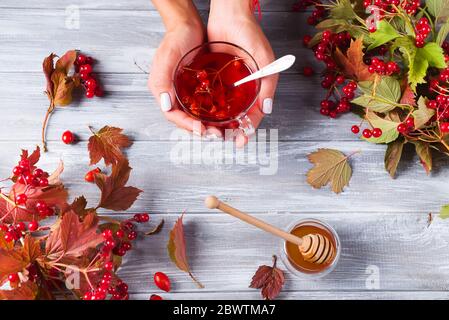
(45, 241)
(387, 61)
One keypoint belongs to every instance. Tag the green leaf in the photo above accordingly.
(444, 212)
(343, 10)
(386, 96)
(438, 8)
(434, 54)
(388, 127)
(423, 114)
(393, 156)
(443, 33)
(384, 33)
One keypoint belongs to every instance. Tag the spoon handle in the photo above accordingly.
(213, 203)
(276, 66)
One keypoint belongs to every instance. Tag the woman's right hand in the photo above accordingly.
(182, 35)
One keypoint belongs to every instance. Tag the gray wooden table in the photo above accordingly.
(389, 250)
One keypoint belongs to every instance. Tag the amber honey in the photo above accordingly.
(295, 257)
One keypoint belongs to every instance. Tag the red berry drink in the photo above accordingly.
(205, 86)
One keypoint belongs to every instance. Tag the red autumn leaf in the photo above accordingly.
(107, 144)
(72, 238)
(114, 194)
(31, 248)
(177, 249)
(66, 62)
(3, 243)
(33, 158)
(269, 279)
(352, 63)
(26, 291)
(408, 96)
(12, 261)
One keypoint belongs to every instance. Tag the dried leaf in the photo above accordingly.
(62, 88)
(393, 156)
(114, 194)
(48, 68)
(156, 229)
(72, 237)
(331, 166)
(26, 291)
(66, 62)
(12, 261)
(269, 279)
(107, 144)
(177, 249)
(31, 248)
(423, 150)
(352, 63)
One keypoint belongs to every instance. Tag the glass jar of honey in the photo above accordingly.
(292, 257)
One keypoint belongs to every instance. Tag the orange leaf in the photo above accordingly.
(31, 248)
(63, 88)
(26, 291)
(114, 194)
(352, 63)
(12, 261)
(48, 68)
(177, 249)
(107, 144)
(73, 238)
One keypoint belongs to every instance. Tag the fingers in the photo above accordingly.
(160, 81)
(256, 116)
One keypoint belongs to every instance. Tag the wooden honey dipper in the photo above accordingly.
(315, 248)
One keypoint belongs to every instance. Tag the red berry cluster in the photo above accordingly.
(83, 65)
(440, 86)
(367, 133)
(115, 243)
(388, 6)
(317, 14)
(423, 29)
(383, 68)
(407, 126)
(26, 174)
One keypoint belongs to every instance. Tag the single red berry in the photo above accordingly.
(86, 68)
(410, 122)
(91, 84)
(402, 128)
(33, 225)
(9, 236)
(145, 217)
(90, 176)
(68, 137)
(126, 246)
(43, 182)
(109, 243)
(367, 133)
(21, 199)
(37, 173)
(90, 93)
(138, 217)
(155, 297)
(87, 296)
(107, 234)
(444, 127)
(17, 171)
(84, 76)
(40, 205)
(20, 226)
(13, 277)
(162, 281)
(355, 129)
(377, 132)
(81, 59)
(122, 287)
(120, 233)
(132, 235)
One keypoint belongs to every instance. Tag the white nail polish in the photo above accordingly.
(267, 106)
(165, 102)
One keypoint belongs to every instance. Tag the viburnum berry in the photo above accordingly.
(107, 234)
(355, 129)
(367, 133)
(43, 182)
(20, 226)
(132, 235)
(162, 281)
(410, 122)
(306, 40)
(68, 137)
(155, 297)
(109, 265)
(377, 132)
(41, 205)
(308, 71)
(444, 127)
(13, 277)
(17, 170)
(120, 233)
(90, 176)
(126, 246)
(33, 225)
(402, 128)
(9, 236)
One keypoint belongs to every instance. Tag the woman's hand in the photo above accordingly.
(233, 21)
(185, 31)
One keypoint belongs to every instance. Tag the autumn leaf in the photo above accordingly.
(352, 63)
(26, 291)
(425, 156)
(114, 194)
(269, 279)
(48, 68)
(66, 62)
(331, 167)
(32, 158)
(73, 237)
(107, 144)
(12, 261)
(408, 96)
(423, 114)
(177, 249)
(393, 156)
(31, 248)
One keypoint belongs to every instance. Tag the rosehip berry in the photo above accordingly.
(367, 133)
(355, 129)
(68, 137)
(162, 281)
(21, 199)
(377, 132)
(33, 225)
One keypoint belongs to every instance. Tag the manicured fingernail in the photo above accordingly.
(165, 102)
(267, 106)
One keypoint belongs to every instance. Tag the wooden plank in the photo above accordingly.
(404, 254)
(158, 171)
(298, 295)
(266, 5)
(117, 39)
(129, 105)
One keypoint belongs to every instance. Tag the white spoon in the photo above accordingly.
(276, 66)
